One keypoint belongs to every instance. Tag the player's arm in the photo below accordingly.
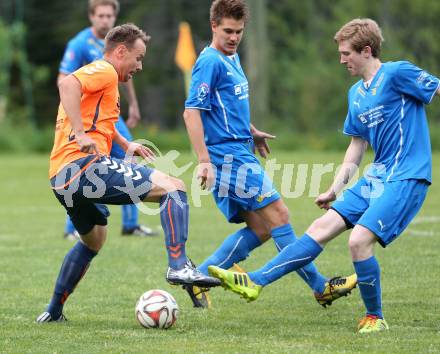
(134, 114)
(60, 77)
(132, 148)
(70, 94)
(260, 141)
(438, 91)
(352, 160)
(194, 127)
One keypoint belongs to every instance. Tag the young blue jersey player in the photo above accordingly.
(386, 111)
(86, 47)
(217, 118)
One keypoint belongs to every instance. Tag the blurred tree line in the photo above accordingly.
(297, 84)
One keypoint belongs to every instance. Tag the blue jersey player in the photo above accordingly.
(86, 47)
(386, 111)
(217, 118)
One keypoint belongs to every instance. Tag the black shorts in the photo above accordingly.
(86, 184)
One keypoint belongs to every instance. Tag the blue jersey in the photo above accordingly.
(219, 88)
(81, 50)
(390, 115)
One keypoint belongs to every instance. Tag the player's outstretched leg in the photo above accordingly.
(291, 258)
(283, 236)
(74, 267)
(174, 215)
(325, 290)
(234, 249)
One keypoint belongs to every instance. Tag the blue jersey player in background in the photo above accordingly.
(217, 118)
(386, 111)
(88, 46)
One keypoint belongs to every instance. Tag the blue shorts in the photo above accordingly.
(384, 208)
(85, 184)
(241, 182)
(122, 128)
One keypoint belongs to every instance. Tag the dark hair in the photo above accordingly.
(125, 34)
(93, 4)
(236, 9)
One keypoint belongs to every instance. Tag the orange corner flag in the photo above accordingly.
(185, 53)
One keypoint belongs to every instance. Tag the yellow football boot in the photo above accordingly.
(370, 324)
(199, 296)
(238, 282)
(335, 288)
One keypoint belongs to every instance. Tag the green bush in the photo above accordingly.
(24, 138)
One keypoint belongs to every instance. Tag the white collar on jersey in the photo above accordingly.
(368, 83)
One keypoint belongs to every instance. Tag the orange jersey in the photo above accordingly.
(99, 112)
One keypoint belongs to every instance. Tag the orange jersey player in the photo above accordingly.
(99, 112)
(88, 46)
(84, 177)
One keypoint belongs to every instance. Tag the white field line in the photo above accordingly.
(424, 220)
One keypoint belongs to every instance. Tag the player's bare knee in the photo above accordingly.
(263, 234)
(276, 214)
(361, 243)
(259, 228)
(96, 238)
(174, 184)
(93, 244)
(355, 245)
(358, 246)
(283, 214)
(164, 184)
(317, 228)
(179, 184)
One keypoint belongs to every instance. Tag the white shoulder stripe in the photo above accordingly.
(396, 159)
(199, 108)
(225, 117)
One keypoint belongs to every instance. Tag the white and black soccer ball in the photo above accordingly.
(156, 309)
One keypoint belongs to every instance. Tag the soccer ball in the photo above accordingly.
(156, 309)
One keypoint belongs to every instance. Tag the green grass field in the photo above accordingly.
(286, 317)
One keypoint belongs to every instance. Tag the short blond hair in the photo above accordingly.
(361, 32)
(93, 4)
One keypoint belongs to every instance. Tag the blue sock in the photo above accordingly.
(368, 274)
(69, 228)
(174, 215)
(74, 267)
(235, 248)
(284, 236)
(291, 258)
(129, 216)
